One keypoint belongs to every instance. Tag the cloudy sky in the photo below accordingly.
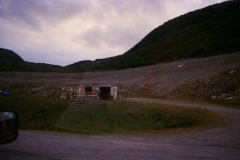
(66, 31)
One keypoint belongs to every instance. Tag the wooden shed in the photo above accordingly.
(88, 93)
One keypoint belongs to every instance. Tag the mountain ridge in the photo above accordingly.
(209, 31)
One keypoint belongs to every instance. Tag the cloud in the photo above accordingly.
(19, 12)
(174, 8)
(119, 24)
(64, 32)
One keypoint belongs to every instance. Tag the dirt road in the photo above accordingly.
(218, 142)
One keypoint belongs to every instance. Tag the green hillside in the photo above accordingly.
(210, 31)
(86, 65)
(9, 56)
(10, 61)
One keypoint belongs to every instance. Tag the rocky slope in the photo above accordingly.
(222, 85)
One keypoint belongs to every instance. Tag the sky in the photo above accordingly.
(63, 32)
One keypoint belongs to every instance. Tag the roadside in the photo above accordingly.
(224, 134)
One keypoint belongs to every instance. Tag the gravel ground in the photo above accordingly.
(152, 81)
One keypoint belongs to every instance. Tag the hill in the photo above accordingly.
(9, 56)
(82, 66)
(10, 61)
(206, 32)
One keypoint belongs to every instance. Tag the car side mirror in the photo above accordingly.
(8, 127)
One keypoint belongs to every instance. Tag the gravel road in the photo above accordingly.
(219, 142)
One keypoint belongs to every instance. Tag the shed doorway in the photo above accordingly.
(105, 93)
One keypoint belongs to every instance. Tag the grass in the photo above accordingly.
(113, 117)
(131, 117)
(34, 112)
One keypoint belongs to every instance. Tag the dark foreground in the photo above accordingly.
(213, 142)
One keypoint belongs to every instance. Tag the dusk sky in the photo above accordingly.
(62, 32)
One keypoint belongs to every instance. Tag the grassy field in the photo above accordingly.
(34, 112)
(121, 117)
(112, 117)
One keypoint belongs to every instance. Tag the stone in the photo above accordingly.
(214, 97)
(223, 96)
